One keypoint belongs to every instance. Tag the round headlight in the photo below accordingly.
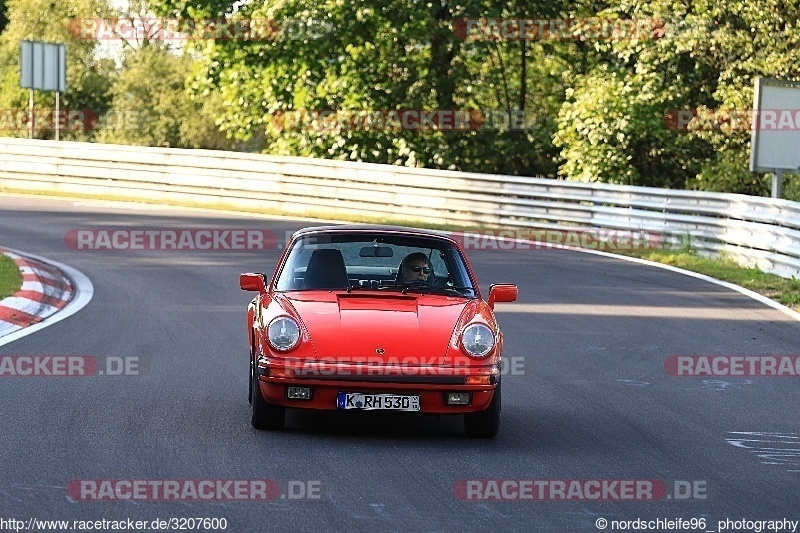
(283, 333)
(477, 340)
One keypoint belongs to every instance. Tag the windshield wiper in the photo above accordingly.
(458, 291)
(415, 288)
(374, 287)
(352, 288)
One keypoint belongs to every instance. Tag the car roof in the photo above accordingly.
(371, 228)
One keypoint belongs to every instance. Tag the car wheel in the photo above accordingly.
(484, 424)
(265, 415)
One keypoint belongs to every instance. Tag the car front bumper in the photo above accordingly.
(327, 380)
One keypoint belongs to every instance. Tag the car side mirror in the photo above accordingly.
(253, 282)
(502, 292)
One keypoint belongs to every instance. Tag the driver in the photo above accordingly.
(415, 267)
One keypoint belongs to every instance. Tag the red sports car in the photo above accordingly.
(374, 318)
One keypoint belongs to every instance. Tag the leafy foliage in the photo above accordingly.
(3, 15)
(150, 106)
(384, 56)
(707, 55)
(89, 77)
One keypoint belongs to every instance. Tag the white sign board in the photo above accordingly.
(775, 136)
(43, 66)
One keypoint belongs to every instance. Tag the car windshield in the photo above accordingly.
(379, 262)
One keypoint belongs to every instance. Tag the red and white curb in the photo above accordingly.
(50, 292)
(44, 291)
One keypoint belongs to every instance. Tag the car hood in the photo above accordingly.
(366, 327)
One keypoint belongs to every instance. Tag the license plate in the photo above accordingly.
(384, 402)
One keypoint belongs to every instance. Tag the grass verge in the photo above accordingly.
(10, 277)
(782, 290)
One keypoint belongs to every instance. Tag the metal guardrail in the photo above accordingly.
(753, 230)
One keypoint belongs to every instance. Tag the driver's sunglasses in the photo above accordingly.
(417, 268)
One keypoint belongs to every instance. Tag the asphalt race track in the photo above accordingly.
(586, 397)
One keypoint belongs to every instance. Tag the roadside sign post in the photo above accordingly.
(30, 114)
(43, 67)
(777, 183)
(775, 136)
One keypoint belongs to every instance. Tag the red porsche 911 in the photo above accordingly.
(374, 318)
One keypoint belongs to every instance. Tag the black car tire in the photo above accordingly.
(265, 415)
(484, 424)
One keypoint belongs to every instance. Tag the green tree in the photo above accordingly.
(150, 105)
(747, 38)
(3, 15)
(707, 55)
(382, 56)
(612, 127)
(596, 109)
(89, 75)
